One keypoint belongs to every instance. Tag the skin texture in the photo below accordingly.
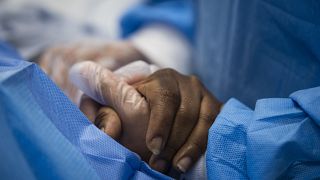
(166, 122)
(181, 113)
(172, 108)
(113, 91)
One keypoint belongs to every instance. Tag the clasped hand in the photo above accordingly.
(162, 116)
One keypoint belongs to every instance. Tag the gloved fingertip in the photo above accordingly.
(77, 72)
(84, 76)
(78, 75)
(83, 67)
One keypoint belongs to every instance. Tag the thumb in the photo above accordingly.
(105, 87)
(88, 77)
(109, 122)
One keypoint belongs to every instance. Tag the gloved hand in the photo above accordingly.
(57, 61)
(173, 123)
(112, 91)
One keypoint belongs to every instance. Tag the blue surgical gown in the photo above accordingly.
(261, 57)
(45, 136)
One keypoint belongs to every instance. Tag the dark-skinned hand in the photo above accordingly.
(164, 117)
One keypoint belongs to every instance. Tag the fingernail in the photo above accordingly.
(160, 165)
(155, 145)
(103, 129)
(184, 164)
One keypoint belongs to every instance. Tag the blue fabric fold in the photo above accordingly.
(49, 135)
(226, 151)
(309, 101)
(279, 139)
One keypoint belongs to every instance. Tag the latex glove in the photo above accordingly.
(112, 90)
(130, 73)
(176, 125)
(57, 61)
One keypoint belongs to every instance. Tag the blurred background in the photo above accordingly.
(113, 33)
(33, 25)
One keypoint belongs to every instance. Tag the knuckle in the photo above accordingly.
(187, 101)
(186, 115)
(182, 111)
(169, 95)
(168, 71)
(164, 73)
(166, 96)
(142, 88)
(206, 118)
(186, 112)
(103, 115)
(195, 80)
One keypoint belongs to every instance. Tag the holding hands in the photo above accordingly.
(163, 116)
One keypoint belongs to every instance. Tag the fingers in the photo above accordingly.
(185, 120)
(106, 88)
(89, 107)
(164, 99)
(61, 53)
(164, 106)
(56, 62)
(130, 73)
(109, 122)
(47, 60)
(196, 144)
(105, 118)
(91, 78)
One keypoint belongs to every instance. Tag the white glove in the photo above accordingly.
(107, 87)
(113, 90)
(57, 61)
